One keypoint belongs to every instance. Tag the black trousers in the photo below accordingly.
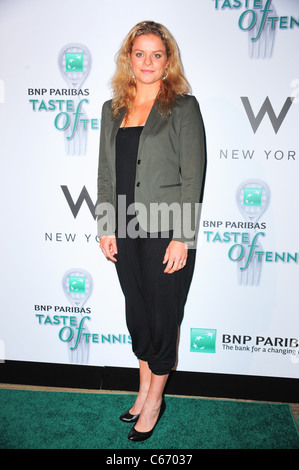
(154, 300)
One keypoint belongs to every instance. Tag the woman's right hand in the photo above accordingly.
(109, 247)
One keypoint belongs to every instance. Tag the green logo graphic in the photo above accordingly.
(252, 197)
(74, 62)
(203, 340)
(77, 284)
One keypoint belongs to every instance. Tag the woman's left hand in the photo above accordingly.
(175, 256)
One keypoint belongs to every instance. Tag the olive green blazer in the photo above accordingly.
(170, 170)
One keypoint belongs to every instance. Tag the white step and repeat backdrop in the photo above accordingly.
(61, 301)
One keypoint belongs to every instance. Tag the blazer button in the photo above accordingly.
(138, 184)
(139, 161)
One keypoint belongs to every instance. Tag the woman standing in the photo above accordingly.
(152, 154)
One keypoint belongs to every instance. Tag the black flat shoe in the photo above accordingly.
(128, 418)
(137, 436)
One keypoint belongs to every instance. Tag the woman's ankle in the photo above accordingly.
(139, 402)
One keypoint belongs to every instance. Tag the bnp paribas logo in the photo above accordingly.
(77, 286)
(74, 62)
(252, 197)
(203, 340)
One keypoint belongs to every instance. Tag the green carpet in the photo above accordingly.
(65, 420)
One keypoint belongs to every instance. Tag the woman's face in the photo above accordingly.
(148, 59)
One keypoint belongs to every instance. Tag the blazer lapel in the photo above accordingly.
(115, 126)
(154, 118)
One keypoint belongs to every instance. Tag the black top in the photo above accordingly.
(127, 142)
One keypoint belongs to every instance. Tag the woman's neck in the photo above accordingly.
(145, 93)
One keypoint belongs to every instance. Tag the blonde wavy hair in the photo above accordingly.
(123, 83)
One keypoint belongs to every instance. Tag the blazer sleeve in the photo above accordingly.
(105, 210)
(192, 168)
